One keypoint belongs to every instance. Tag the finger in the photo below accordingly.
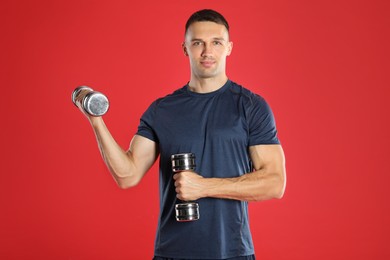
(79, 98)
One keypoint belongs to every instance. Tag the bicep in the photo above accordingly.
(269, 157)
(143, 153)
(269, 165)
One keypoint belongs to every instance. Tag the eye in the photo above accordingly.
(217, 43)
(197, 43)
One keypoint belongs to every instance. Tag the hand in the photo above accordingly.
(189, 185)
(78, 99)
(79, 103)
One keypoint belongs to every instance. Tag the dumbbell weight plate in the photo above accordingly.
(77, 91)
(95, 103)
(183, 162)
(188, 211)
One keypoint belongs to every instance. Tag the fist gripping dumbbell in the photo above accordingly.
(185, 211)
(94, 103)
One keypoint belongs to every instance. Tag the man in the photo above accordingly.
(233, 135)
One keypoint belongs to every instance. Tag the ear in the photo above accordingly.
(230, 48)
(183, 45)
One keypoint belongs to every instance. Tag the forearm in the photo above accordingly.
(267, 181)
(255, 186)
(259, 185)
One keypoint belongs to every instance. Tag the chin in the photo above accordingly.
(207, 74)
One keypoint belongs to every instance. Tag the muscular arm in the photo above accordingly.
(267, 181)
(127, 167)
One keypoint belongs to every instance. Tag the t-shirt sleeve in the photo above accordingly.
(261, 122)
(146, 125)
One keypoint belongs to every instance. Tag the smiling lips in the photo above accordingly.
(207, 63)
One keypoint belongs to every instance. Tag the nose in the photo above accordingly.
(207, 50)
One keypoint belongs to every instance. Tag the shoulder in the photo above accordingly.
(248, 97)
(169, 97)
(153, 108)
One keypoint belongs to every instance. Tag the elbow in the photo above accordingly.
(127, 182)
(124, 185)
(279, 194)
(280, 188)
(276, 191)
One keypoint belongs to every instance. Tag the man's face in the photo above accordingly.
(207, 46)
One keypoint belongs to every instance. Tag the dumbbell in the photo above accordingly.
(186, 211)
(94, 103)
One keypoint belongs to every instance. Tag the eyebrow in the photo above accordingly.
(215, 38)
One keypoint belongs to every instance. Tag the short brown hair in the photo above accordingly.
(206, 15)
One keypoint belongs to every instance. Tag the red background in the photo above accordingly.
(322, 65)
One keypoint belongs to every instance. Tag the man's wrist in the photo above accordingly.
(95, 121)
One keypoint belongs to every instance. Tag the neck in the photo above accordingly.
(206, 85)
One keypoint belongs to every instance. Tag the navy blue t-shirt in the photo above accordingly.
(218, 127)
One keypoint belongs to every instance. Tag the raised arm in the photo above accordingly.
(127, 167)
(267, 181)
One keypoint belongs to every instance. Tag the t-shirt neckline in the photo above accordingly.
(208, 94)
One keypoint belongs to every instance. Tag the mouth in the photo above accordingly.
(207, 63)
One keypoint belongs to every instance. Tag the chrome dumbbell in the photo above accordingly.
(188, 210)
(94, 103)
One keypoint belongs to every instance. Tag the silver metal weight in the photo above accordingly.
(183, 162)
(186, 211)
(94, 102)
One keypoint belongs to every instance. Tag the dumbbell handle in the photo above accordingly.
(94, 103)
